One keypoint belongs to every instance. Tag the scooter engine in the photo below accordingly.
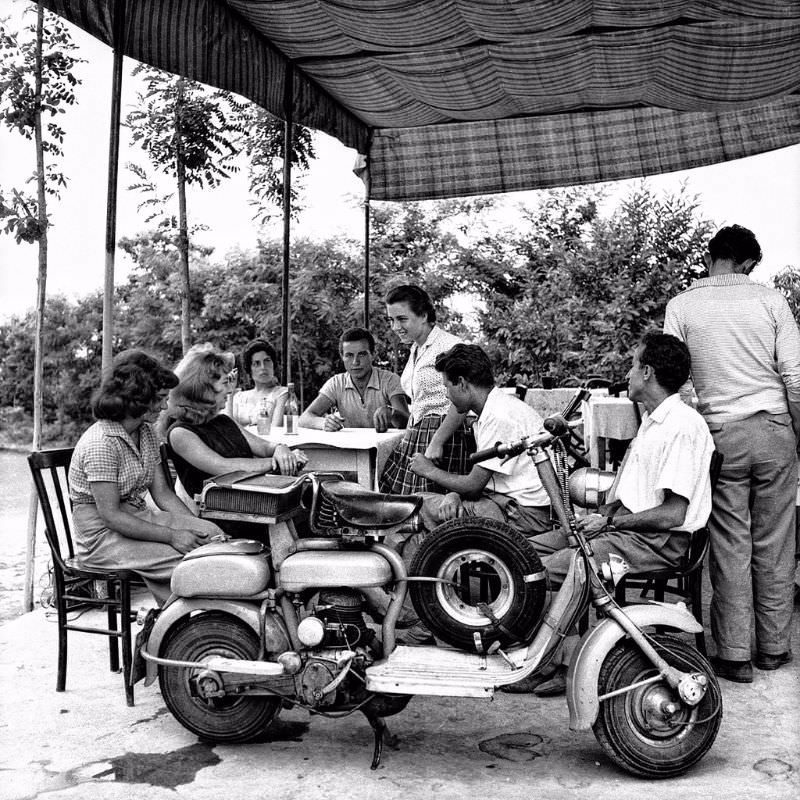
(341, 611)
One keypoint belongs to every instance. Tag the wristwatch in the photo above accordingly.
(610, 521)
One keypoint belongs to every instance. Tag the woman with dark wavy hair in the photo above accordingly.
(115, 464)
(260, 362)
(205, 442)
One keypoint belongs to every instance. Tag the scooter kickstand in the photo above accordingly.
(379, 728)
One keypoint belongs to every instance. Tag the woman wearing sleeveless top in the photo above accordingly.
(435, 428)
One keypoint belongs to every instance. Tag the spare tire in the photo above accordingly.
(492, 586)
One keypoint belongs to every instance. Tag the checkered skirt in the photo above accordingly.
(397, 477)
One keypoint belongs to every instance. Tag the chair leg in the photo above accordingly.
(696, 594)
(127, 654)
(112, 589)
(61, 608)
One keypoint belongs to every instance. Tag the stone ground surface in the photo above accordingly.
(86, 743)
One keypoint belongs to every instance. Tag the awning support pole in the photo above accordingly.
(113, 174)
(366, 262)
(288, 108)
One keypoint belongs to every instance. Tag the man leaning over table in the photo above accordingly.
(745, 350)
(662, 491)
(510, 490)
(363, 396)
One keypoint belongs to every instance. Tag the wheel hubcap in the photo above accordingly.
(481, 578)
(657, 712)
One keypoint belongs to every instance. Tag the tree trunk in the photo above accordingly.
(41, 291)
(183, 227)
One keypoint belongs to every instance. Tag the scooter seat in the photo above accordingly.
(362, 508)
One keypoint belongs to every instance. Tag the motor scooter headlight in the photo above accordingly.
(588, 486)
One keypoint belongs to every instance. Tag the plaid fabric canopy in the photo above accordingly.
(457, 97)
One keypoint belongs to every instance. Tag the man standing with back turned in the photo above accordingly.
(745, 349)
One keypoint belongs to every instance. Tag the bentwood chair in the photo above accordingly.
(49, 469)
(684, 581)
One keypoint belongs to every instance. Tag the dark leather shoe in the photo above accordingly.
(736, 671)
(529, 684)
(769, 661)
(555, 686)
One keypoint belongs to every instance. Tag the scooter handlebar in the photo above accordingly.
(511, 449)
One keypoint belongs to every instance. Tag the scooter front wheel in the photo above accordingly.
(220, 719)
(649, 731)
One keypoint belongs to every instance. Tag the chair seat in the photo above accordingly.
(80, 570)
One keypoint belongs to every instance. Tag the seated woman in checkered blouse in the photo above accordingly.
(435, 427)
(115, 464)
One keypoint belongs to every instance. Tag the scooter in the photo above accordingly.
(249, 630)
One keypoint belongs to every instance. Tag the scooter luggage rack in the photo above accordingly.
(257, 496)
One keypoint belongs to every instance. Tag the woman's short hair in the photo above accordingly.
(418, 300)
(256, 346)
(131, 386)
(194, 399)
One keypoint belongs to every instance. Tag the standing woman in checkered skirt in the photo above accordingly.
(435, 428)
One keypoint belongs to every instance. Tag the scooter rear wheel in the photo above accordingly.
(638, 730)
(219, 719)
(488, 566)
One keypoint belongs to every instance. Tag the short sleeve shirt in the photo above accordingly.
(106, 454)
(358, 412)
(672, 450)
(505, 418)
(246, 404)
(420, 380)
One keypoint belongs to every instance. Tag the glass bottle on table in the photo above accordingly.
(291, 411)
(264, 417)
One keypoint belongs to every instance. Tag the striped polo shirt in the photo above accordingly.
(744, 343)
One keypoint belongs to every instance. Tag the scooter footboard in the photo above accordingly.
(584, 669)
(275, 637)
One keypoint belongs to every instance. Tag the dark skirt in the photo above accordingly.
(397, 477)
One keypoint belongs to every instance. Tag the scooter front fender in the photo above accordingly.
(276, 638)
(584, 669)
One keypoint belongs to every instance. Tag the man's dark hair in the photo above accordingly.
(357, 335)
(466, 361)
(735, 243)
(668, 356)
(256, 346)
(418, 300)
(131, 386)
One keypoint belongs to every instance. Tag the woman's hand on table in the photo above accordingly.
(333, 422)
(288, 461)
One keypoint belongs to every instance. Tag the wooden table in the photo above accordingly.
(360, 453)
(607, 418)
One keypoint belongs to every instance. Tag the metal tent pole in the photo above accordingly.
(288, 107)
(113, 173)
(366, 261)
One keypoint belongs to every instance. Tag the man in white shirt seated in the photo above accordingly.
(663, 490)
(509, 490)
(361, 397)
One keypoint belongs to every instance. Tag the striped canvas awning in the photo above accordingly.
(449, 98)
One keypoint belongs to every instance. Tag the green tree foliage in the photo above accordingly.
(581, 288)
(18, 104)
(787, 281)
(562, 289)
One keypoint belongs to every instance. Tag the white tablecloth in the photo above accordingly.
(349, 440)
(607, 418)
